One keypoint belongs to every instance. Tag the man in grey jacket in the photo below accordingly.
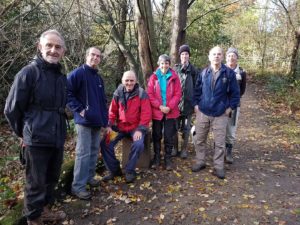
(35, 111)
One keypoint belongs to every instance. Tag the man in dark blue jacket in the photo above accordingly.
(87, 100)
(35, 110)
(216, 94)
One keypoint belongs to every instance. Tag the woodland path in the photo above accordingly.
(261, 187)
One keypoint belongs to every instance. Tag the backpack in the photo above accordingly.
(67, 112)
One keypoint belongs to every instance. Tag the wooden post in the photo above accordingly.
(145, 157)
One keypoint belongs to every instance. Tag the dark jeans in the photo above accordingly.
(108, 152)
(168, 127)
(43, 166)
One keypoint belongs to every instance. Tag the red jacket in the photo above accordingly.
(173, 96)
(131, 113)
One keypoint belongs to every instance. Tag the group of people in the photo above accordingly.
(35, 109)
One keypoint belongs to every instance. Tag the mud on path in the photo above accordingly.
(261, 187)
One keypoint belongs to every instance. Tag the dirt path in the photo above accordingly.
(261, 187)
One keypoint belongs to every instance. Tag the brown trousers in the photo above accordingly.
(218, 124)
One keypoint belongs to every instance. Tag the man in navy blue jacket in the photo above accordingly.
(216, 94)
(87, 100)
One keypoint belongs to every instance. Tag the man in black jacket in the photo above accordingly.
(35, 111)
(187, 74)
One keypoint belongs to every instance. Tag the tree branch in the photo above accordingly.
(287, 14)
(210, 11)
(22, 14)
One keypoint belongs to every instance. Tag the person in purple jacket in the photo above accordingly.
(87, 99)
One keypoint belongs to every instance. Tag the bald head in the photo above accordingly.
(216, 56)
(129, 80)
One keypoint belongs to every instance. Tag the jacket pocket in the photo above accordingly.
(43, 128)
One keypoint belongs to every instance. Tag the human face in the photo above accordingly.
(51, 48)
(164, 66)
(93, 57)
(129, 80)
(231, 60)
(215, 56)
(184, 57)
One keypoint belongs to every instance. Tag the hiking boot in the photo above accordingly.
(52, 216)
(183, 154)
(169, 165)
(174, 152)
(112, 175)
(228, 154)
(83, 195)
(37, 221)
(220, 173)
(130, 177)
(94, 183)
(155, 163)
(198, 166)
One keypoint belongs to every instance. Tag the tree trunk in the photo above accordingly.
(295, 55)
(179, 19)
(146, 43)
(121, 59)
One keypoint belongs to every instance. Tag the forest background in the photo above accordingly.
(133, 33)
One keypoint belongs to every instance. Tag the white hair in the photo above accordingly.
(53, 31)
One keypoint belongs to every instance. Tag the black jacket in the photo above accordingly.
(35, 105)
(187, 86)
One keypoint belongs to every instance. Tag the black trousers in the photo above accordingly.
(43, 165)
(168, 127)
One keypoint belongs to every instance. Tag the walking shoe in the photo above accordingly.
(220, 173)
(174, 152)
(112, 175)
(94, 183)
(84, 195)
(169, 165)
(52, 216)
(198, 166)
(37, 221)
(130, 177)
(183, 154)
(155, 163)
(228, 154)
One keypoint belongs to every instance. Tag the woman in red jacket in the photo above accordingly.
(164, 92)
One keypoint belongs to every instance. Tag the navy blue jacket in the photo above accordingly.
(225, 94)
(86, 91)
(35, 105)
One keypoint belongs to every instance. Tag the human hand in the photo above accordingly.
(196, 108)
(164, 109)
(82, 113)
(107, 130)
(137, 135)
(228, 112)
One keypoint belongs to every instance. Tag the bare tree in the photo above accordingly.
(146, 43)
(179, 18)
(117, 38)
(296, 34)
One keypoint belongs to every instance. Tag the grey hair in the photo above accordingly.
(164, 58)
(53, 31)
(89, 49)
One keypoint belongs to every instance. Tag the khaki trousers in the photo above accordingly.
(218, 124)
